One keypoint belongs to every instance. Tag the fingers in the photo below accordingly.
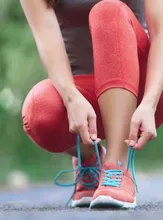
(85, 136)
(141, 142)
(134, 132)
(98, 140)
(82, 129)
(92, 126)
(144, 139)
(87, 130)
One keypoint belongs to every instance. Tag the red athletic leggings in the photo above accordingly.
(120, 48)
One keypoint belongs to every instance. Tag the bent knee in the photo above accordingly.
(105, 11)
(41, 105)
(42, 112)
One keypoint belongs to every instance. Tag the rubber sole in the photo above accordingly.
(83, 202)
(109, 202)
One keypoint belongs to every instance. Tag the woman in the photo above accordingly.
(113, 92)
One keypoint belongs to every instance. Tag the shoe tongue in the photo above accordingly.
(116, 166)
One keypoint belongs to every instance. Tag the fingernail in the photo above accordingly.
(132, 143)
(93, 136)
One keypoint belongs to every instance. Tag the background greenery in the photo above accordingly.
(20, 69)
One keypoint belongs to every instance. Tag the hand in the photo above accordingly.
(142, 128)
(82, 119)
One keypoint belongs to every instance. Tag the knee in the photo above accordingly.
(41, 113)
(34, 111)
(28, 111)
(106, 11)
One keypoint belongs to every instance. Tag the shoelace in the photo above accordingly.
(92, 172)
(118, 174)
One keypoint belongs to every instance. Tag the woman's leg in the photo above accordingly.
(118, 43)
(117, 122)
(46, 123)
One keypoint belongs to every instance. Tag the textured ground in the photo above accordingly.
(48, 202)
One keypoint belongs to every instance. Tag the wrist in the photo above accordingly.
(68, 94)
(150, 102)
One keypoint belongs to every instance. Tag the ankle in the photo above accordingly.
(114, 159)
(87, 156)
(86, 151)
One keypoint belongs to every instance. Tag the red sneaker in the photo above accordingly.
(116, 188)
(88, 180)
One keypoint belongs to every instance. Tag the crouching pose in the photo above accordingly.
(105, 81)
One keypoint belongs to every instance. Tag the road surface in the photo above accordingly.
(48, 202)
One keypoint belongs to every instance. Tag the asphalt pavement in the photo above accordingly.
(48, 202)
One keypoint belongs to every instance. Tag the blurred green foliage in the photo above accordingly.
(20, 69)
